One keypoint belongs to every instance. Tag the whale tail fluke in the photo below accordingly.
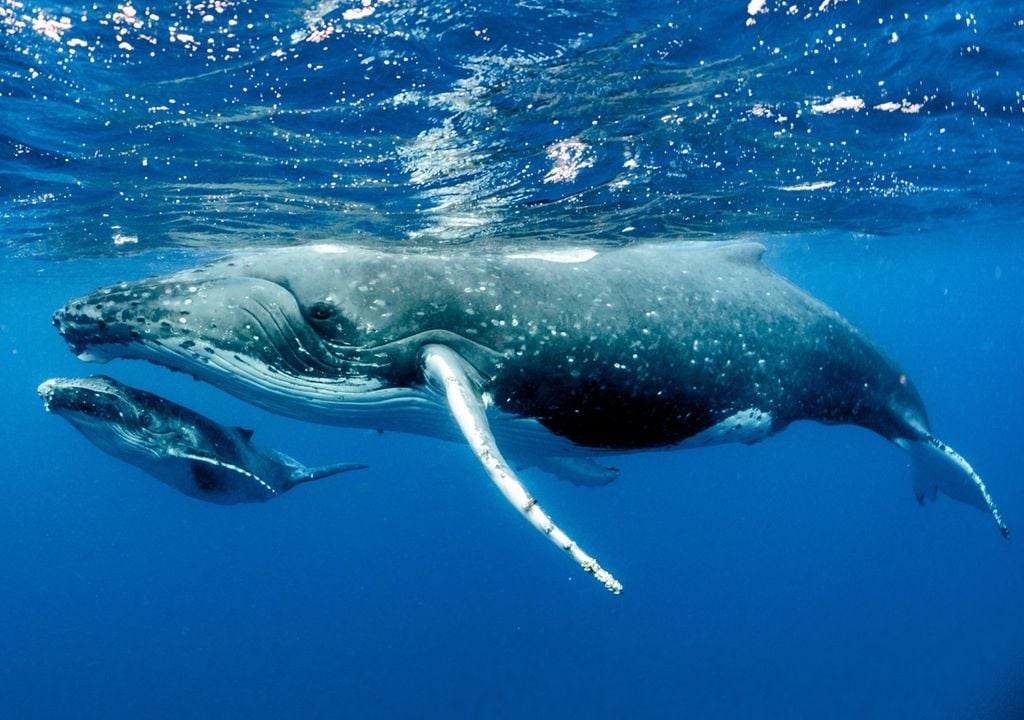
(938, 467)
(306, 474)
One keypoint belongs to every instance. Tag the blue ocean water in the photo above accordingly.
(875, 150)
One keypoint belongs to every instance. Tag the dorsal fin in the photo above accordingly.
(746, 252)
(246, 433)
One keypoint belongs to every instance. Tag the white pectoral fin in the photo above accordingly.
(938, 467)
(450, 375)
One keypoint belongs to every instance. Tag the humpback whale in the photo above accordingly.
(181, 448)
(549, 358)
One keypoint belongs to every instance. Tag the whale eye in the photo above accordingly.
(328, 320)
(321, 311)
(145, 419)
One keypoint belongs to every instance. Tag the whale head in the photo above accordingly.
(110, 414)
(305, 332)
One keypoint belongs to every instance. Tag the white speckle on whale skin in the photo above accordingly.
(570, 255)
(326, 249)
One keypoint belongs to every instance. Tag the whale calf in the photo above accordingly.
(186, 450)
(550, 358)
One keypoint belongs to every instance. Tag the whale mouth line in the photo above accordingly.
(274, 388)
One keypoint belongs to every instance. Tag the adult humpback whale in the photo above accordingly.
(552, 357)
(181, 448)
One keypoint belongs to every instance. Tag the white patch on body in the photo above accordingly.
(568, 256)
(327, 249)
(746, 426)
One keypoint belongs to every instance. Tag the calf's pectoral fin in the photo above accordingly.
(447, 373)
(938, 467)
(208, 472)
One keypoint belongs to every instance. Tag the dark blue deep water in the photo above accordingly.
(875, 148)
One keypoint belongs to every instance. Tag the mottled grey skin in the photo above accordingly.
(634, 348)
(186, 450)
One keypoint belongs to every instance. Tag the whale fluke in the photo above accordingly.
(305, 474)
(936, 466)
